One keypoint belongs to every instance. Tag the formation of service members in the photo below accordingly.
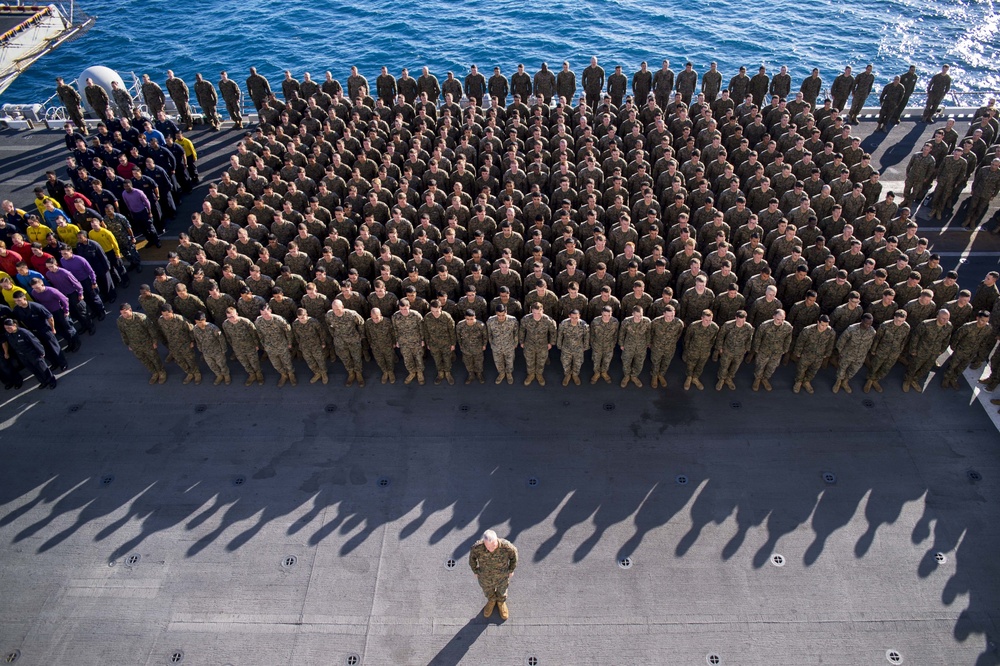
(720, 227)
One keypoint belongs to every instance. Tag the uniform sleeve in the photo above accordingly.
(474, 559)
(512, 550)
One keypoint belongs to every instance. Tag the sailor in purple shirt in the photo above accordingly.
(58, 305)
(64, 282)
(141, 211)
(82, 271)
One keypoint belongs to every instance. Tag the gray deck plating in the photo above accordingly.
(107, 467)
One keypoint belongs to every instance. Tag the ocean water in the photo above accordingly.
(154, 35)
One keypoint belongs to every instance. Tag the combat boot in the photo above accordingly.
(655, 382)
(187, 378)
(906, 386)
(500, 378)
(698, 384)
(420, 378)
(767, 384)
(593, 380)
(917, 387)
(663, 382)
(292, 379)
(687, 384)
(324, 378)
(502, 607)
(730, 384)
(283, 380)
(449, 378)
(530, 378)
(877, 386)
(846, 386)
(218, 380)
(796, 387)
(315, 378)
(510, 378)
(439, 378)
(808, 387)
(468, 380)
(606, 377)
(410, 377)
(625, 381)
(260, 378)
(719, 384)
(576, 379)
(836, 386)
(488, 608)
(359, 376)
(227, 378)
(250, 380)
(635, 380)
(163, 376)
(868, 386)
(756, 384)
(479, 376)
(197, 378)
(154, 378)
(565, 381)
(541, 380)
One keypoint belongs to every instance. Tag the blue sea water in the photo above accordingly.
(154, 35)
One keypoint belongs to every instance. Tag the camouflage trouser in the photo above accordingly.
(233, 108)
(504, 360)
(943, 194)
(994, 379)
(385, 357)
(350, 355)
(217, 364)
(150, 359)
(495, 590)
(632, 361)
(601, 356)
(919, 367)
(211, 115)
(473, 360)
(695, 362)
(281, 359)
(443, 357)
(660, 358)
(847, 369)
(957, 365)
(729, 365)
(185, 358)
(249, 360)
(572, 361)
(535, 357)
(184, 111)
(76, 115)
(881, 365)
(807, 367)
(413, 358)
(766, 365)
(915, 190)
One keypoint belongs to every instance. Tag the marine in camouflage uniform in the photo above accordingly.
(853, 346)
(732, 345)
(180, 343)
(968, 342)
(699, 338)
(503, 335)
(537, 334)
(771, 341)
(890, 341)
(573, 340)
(208, 100)
(929, 341)
(141, 339)
(409, 328)
(347, 329)
(812, 349)
(243, 338)
(472, 338)
(985, 187)
(179, 92)
(994, 378)
(233, 97)
(919, 172)
(381, 338)
(665, 331)
(276, 339)
(493, 561)
(212, 345)
(153, 95)
(439, 336)
(634, 336)
(603, 336)
(71, 100)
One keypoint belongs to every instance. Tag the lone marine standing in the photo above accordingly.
(493, 560)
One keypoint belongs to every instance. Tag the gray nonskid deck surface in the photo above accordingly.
(214, 488)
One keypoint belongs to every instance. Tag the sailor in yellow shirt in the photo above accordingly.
(36, 231)
(103, 236)
(41, 199)
(191, 154)
(66, 232)
(9, 290)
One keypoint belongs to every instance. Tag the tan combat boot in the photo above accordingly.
(541, 380)
(283, 380)
(218, 380)
(510, 378)
(409, 378)
(439, 378)
(250, 380)
(917, 387)
(868, 386)
(877, 386)
(756, 384)
(392, 378)
(625, 381)
(719, 384)
(502, 607)
(361, 379)
(663, 382)
(468, 380)
(635, 380)
(163, 376)
(606, 377)
(836, 386)
(593, 380)
(576, 379)
(767, 384)
(197, 377)
(687, 383)
(565, 381)
(154, 378)
(808, 387)
(731, 384)
(488, 608)
(906, 386)
(292, 379)
(500, 378)
(698, 384)
(260, 378)
(187, 378)
(797, 387)
(315, 378)
(530, 378)
(847, 387)
(449, 378)
(480, 377)
(420, 378)
(227, 378)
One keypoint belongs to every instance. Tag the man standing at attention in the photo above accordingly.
(493, 561)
